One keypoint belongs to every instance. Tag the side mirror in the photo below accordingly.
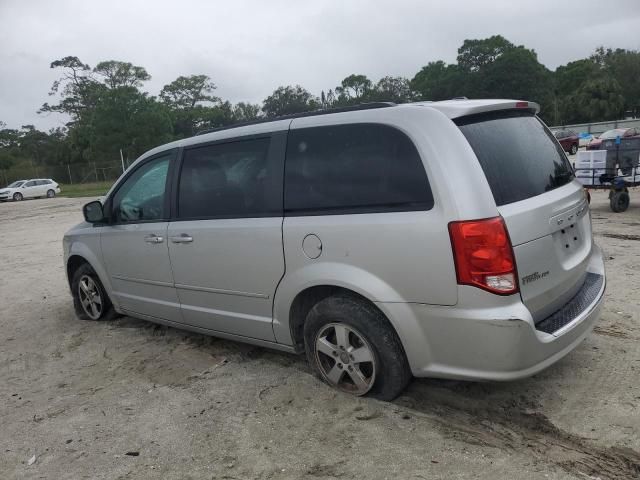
(93, 212)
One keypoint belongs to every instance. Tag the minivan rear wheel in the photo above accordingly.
(90, 299)
(51, 193)
(351, 346)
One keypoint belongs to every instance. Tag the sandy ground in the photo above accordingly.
(129, 399)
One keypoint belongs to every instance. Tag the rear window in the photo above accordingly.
(356, 168)
(519, 156)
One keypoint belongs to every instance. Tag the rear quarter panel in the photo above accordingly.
(390, 257)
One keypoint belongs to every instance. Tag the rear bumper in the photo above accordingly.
(488, 337)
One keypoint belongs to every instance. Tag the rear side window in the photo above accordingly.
(519, 156)
(358, 168)
(230, 180)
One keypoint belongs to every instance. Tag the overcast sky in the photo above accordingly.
(249, 48)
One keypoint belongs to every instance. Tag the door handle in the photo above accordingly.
(153, 238)
(182, 238)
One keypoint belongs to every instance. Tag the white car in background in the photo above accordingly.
(35, 187)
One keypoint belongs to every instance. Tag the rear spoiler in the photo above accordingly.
(463, 108)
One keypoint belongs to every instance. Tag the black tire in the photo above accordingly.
(17, 197)
(574, 149)
(391, 372)
(51, 193)
(106, 311)
(619, 201)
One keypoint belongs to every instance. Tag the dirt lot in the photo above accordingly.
(129, 399)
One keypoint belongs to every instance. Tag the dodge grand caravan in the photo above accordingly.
(446, 239)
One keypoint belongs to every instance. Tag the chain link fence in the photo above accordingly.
(65, 174)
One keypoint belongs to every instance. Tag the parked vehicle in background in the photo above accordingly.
(33, 188)
(616, 132)
(569, 140)
(585, 138)
(446, 239)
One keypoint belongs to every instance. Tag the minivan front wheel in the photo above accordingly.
(90, 300)
(351, 346)
(17, 197)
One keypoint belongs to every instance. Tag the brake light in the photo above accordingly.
(522, 104)
(483, 255)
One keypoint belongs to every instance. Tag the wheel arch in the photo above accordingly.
(305, 300)
(80, 254)
(73, 263)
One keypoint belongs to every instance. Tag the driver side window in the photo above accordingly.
(141, 196)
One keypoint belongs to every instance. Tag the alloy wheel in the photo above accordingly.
(345, 358)
(90, 297)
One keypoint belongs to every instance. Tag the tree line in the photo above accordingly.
(109, 110)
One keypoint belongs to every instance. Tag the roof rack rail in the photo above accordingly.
(312, 113)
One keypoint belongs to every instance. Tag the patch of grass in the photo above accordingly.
(96, 189)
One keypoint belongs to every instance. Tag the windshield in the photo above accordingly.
(612, 134)
(16, 184)
(518, 155)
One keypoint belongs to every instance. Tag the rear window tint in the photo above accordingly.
(518, 155)
(356, 168)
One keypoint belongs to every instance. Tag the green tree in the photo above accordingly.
(475, 54)
(187, 92)
(289, 100)
(9, 146)
(129, 120)
(117, 74)
(78, 89)
(353, 89)
(185, 97)
(246, 112)
(34, 144)
(570, 76)
(391, 89)
(328, 100)
(624, 67)
(597, 99)
(517, 74)
(439, 81)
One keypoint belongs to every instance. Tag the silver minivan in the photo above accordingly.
(437, 239)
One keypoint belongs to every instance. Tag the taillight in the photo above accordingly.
(483, 255)
(522, 104)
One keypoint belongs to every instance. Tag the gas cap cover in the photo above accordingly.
(312, 246)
